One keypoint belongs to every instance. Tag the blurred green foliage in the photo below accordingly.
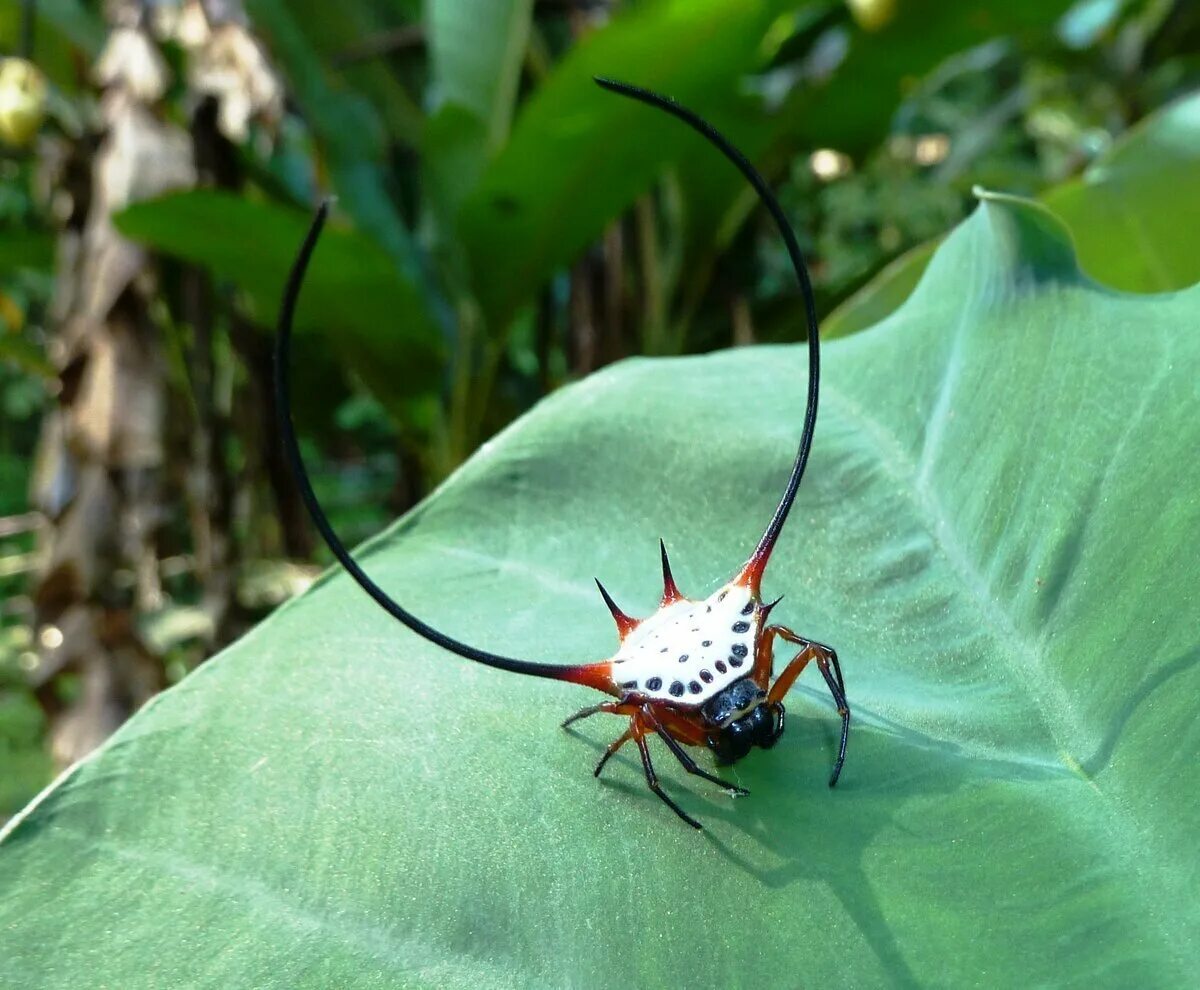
(505, 227)
(26, 259)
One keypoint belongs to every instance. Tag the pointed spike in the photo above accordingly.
(593, 675)
(625, 625)
(765, 610)
(751, 575)
(671, 592)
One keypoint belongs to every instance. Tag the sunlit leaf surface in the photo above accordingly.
(998, 534)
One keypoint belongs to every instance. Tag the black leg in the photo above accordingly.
(583, 713)
(652, 781)
(839, 698)
(830, 652)
(837, 668)
(690, 765)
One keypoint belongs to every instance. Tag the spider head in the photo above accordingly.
(761, 726)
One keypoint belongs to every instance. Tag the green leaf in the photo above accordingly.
(578, 155)
(1129, 213)
(25, 248)
(371, 312)
(348, 44)
(1131, 210)
(996, 533)
(477, 47)
(74, 20)
(881, 296)
(350, 129)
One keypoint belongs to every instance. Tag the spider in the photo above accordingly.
(696, 672)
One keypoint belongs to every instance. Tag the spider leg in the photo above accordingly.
(612, 708)
(612, 748)
(837, 668)
(839, 697)
(652, 779)
(831, 670)
(605, 706)
(783, 683)
(686, 760)
(582, 714)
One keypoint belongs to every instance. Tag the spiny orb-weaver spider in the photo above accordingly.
(694, 673)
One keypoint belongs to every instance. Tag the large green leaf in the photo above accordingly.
(355, 294)
(1130, 214)
(75, 21)
(997, 533)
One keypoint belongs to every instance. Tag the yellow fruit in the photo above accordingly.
(22, 101)
(872, 15)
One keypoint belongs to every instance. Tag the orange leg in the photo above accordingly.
(765, 658)
(831, 670)
(612, 748)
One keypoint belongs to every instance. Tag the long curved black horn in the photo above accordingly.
(752, 572)
(585, 674)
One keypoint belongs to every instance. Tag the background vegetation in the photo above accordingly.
(504, 229)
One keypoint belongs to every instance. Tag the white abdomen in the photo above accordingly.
(689, 651)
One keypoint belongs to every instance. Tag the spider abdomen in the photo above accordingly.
(688, 652)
